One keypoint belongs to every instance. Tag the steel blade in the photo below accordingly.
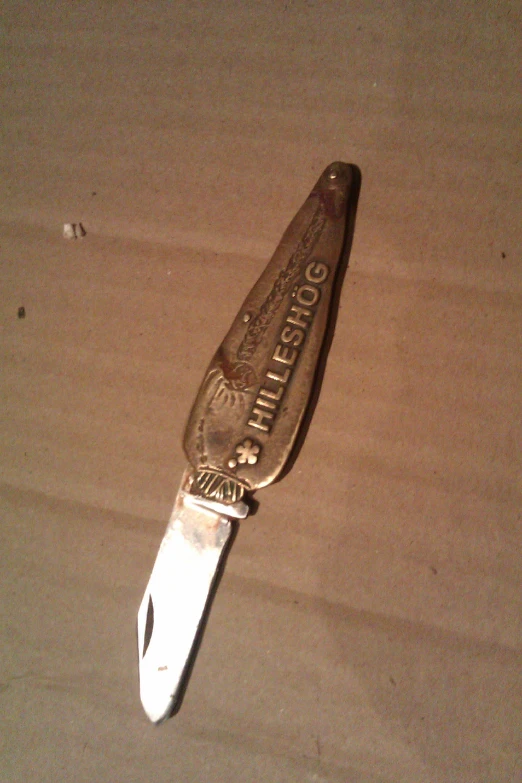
(244, 426)
(174, 603)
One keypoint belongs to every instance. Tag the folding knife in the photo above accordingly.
(242, 429)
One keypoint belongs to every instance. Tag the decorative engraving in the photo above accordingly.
(259, 381)
(333, 201)
(225, 387)
(213, 484)
(287, 351)
(200, 440)
(258, 325)
(247, 453)
(227, 382)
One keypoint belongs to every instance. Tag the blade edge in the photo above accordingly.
(178, 591)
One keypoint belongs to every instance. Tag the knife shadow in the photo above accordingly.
(332, 320)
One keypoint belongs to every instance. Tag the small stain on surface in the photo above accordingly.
(21, 312)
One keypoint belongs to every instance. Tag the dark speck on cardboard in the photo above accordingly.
(21, 312)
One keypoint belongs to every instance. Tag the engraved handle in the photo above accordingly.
(251, 403)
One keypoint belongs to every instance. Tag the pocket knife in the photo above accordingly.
(242, 429)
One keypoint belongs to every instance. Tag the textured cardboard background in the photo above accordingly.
(368, 625)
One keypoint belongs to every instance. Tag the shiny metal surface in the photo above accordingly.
(248, 410)
(241, 430)
(175, 599)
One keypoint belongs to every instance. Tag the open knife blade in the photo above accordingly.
(242, 429)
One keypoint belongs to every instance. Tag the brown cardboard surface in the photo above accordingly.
(368, 625)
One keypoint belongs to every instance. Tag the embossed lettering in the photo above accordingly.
(259, 421)
(257, 325)
(279, 378)
(308, 295)
(272, 395)
(316, 272)
(264, 403)
(297, 316)
(284, 354)
(293, 336)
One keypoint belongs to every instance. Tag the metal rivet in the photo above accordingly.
(332, 174)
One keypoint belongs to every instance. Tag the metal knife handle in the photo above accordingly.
(247, 413)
